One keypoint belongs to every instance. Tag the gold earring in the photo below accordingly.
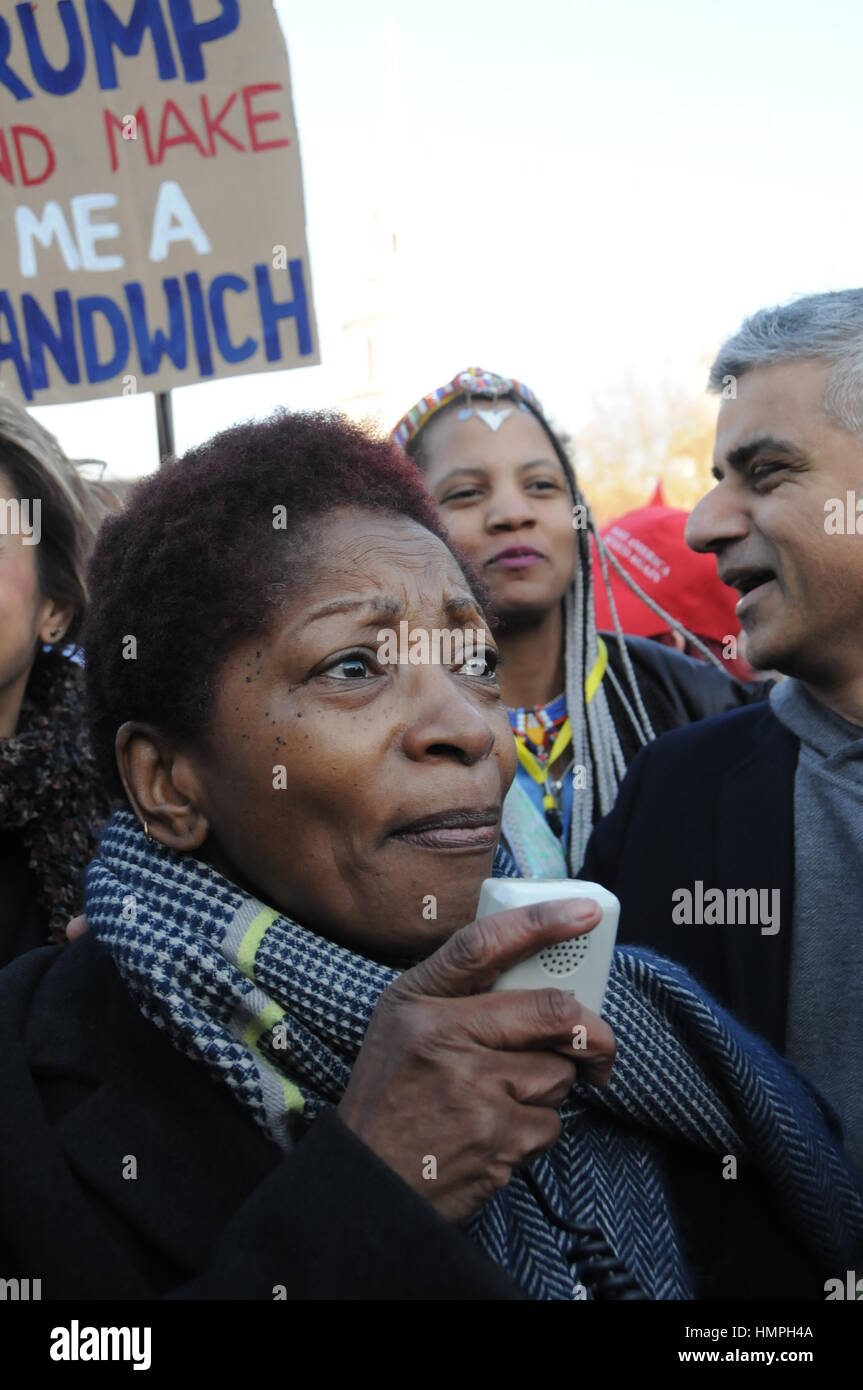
(147, 833)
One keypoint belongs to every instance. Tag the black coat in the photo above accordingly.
(217, 1211)
(713, 802)
(23, 920)
(676, 689)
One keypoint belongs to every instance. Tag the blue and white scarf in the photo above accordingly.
(279, 1014)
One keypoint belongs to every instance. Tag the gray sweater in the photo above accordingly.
(825, 1007)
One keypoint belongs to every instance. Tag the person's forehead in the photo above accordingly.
(363, 550)
(784, 400)
(516, 438)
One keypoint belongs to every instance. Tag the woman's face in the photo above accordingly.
(504, 500)
(23, 611)
(323, 763)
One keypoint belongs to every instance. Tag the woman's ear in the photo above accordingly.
(54, 619)
(162, 787)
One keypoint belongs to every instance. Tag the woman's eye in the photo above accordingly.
(350, 668)
(484, 665)
(543, 485)
(464, 494)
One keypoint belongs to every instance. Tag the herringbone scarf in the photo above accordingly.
(279, 1014)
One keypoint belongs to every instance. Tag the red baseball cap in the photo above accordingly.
(648, 543)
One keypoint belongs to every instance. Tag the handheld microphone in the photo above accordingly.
(579, 965)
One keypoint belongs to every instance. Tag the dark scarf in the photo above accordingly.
(49, 788)
(279, 1013)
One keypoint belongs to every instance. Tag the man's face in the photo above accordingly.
(778, 460)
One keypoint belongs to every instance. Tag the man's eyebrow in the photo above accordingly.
(740, 458)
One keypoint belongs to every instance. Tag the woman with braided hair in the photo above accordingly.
(51, 802)
(581, 704)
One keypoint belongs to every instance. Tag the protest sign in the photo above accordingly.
(152, 226)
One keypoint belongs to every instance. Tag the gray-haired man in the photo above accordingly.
(771, 798)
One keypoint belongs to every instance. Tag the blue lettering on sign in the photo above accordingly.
(220, 320)
(88, 307)
(199, 323)
(296, 308)
(108, 32)
(191, 36)
(7, 76)
(10, 347)
(198, 319)
(41, 334)
(151, 350)
(57, 81)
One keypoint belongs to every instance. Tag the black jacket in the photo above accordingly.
(23, 921)
(676, 689)
(715, 803)
(217, 1211)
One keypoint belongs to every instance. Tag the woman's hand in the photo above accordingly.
(454, 1087)
(77, 927)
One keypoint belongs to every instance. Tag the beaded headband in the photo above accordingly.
(471, 382)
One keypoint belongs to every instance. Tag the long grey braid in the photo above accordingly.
(595, 742)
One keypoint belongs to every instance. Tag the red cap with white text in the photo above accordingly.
(648, 543)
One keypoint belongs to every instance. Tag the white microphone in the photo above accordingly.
(579, 965)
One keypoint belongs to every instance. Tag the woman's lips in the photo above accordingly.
(516, 562)
(516, 558)
(456, 837)
(453, 830)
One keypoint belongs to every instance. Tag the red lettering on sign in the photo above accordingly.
(256, 118)
(213, 124)
(114, 123)
(204, 130)
(186, 137)
(27, 174)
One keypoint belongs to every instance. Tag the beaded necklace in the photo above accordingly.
(543, 736)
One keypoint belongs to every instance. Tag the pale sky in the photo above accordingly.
(583, 190)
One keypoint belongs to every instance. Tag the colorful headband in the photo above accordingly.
(471, 382)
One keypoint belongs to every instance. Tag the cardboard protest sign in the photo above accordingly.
(152, 227)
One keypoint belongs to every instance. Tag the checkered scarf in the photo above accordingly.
(279, 1014)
